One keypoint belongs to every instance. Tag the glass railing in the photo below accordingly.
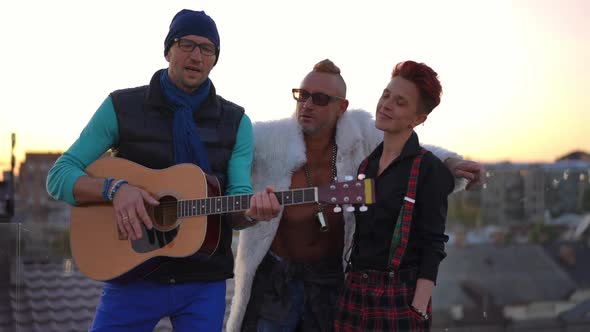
(10, 276)
(517, 260)
(41, 288)
(45, 290)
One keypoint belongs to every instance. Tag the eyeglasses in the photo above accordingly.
(188, 45)
(318, 98)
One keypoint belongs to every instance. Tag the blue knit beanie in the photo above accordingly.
(188, 22)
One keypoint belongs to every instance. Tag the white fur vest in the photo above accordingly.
(279, 150)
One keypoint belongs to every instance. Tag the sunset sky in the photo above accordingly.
(515, 74)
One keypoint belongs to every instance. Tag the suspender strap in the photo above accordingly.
(401, 234)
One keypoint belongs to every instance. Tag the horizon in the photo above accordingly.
(513, 74)
(523, 162)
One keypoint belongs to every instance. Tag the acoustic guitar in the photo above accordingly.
(186, 222)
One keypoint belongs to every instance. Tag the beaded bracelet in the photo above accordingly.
(116, 187)
(105, 188)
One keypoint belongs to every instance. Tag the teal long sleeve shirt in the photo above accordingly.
(102, 132)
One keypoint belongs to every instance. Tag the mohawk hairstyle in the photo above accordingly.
(328, 67)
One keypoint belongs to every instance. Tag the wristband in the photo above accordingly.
(116, 187)
(105, 188)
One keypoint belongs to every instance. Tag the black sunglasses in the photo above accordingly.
(318, 98)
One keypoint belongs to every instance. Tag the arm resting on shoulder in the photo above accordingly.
(467, 173)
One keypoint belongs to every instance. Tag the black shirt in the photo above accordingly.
(374, 228)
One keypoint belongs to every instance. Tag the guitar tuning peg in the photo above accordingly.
(363, 208)
(348, 178)
(337, 208)
(361, 176)
(350, 209)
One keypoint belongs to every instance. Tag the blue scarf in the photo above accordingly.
(188, 147)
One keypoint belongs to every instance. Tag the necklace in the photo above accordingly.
(320, 214)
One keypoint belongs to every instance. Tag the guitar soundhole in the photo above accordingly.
(165, 215)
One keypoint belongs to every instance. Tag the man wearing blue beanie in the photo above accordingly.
(177, 118)
(193, 23)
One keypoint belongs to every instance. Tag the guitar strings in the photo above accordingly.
(175, 203)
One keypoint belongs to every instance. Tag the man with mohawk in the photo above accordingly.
(289, 271)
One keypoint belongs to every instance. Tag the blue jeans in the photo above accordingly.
(139, 306)
(296, 291)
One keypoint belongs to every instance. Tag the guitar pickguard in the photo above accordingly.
(153, 239)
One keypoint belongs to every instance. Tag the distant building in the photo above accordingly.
(534, 193)
(502, 196)
(565, 185)
(6, 176)
(4, 198)
(517, 193)
(33, 202)
(575, 155)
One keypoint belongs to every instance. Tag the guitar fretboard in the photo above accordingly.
(236, 203)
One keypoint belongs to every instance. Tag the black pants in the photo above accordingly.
(270, 298)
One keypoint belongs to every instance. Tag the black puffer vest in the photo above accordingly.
(145, 136)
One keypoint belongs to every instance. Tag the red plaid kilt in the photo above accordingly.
(378, 301)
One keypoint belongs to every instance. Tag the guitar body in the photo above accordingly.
(101, 253)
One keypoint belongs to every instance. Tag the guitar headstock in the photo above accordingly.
(348, 192)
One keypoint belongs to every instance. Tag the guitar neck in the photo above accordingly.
(237, 203)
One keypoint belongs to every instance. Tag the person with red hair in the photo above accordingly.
(399, 241)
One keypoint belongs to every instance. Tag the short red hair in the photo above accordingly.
(426, 81)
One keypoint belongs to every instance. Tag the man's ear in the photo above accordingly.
(167, 56)
(343, 106)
